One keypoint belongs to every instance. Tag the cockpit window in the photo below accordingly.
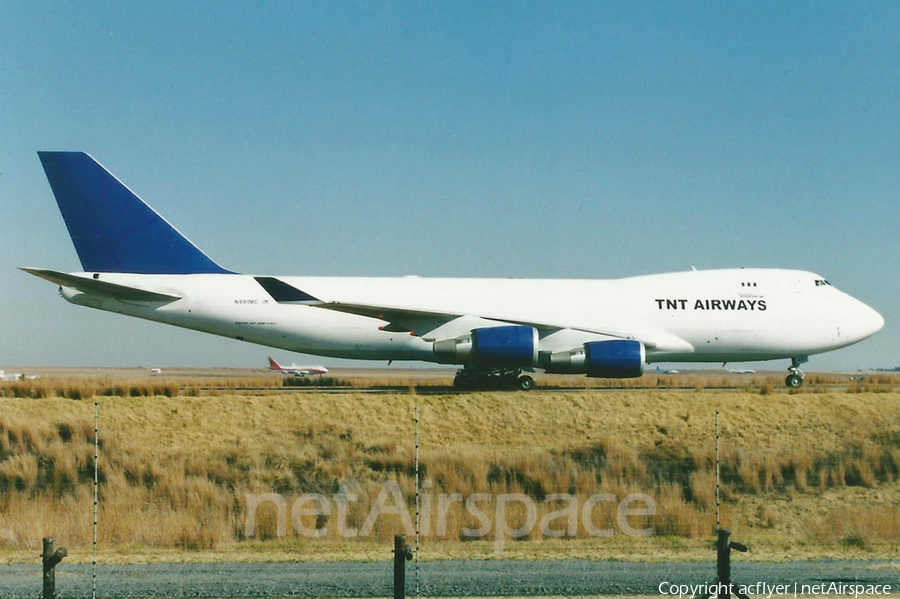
(822, 283)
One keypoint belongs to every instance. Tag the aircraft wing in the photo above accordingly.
(98, 287)
(398, 319)
(421, 321)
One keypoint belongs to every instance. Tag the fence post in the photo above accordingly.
(402, 554)
(50, 558)
(723, 562)
(725, 587)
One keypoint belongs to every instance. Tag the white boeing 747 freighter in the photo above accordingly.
(136, 263)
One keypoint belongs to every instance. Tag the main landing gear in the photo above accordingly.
(468, 378)
(795, 379)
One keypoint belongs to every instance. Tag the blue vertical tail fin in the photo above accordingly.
(112, 228)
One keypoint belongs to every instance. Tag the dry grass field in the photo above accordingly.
(812, 474)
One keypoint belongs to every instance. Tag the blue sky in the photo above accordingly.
(518, 139)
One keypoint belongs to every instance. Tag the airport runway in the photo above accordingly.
(445, 579)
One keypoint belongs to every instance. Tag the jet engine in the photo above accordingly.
(616, 358)
(512, 345)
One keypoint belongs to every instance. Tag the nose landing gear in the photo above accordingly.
(795, 379)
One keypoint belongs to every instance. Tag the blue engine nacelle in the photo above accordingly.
(511, 345)
(615, 359)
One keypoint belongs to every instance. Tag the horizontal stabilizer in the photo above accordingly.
(98, 287)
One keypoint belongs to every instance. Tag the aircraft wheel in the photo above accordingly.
(462, 382)
(526, 383)
(793, 381)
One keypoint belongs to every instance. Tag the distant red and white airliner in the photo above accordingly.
(296, 370)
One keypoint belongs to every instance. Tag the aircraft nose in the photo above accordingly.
(867, 321)
(876, 321)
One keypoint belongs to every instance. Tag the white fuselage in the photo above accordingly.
(696, 316)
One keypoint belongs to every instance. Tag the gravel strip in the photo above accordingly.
(445, 579)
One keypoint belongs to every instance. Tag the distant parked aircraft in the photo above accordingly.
(134, 262)
(296, 370)
(665, 371)
(16, 376)
(738, 370)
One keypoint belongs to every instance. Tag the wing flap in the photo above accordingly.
(98, 287)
